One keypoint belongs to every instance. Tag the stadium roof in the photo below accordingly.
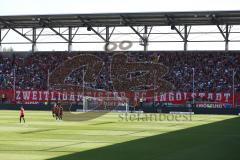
(122, 19)
(180, 24)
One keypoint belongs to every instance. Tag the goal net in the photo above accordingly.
(81, 103)
(105, 104)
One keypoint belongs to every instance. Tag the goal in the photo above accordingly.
(105, 104)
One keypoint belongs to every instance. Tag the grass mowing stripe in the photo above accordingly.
(102, 123)
(41, 133)
(132, 133)
(62, 146)
(38, 131)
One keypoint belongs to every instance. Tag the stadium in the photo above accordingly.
(137, 85)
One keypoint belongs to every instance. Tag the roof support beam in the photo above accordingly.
(70, 39)
(97, 33)
(112, 32)
(5, 35)
(91, 28)
(227, 37)
(147, 34)
(150, 32)
(145, 41)
(52, 29)
(107, 37)
(179, 33)
(185, 38)
(139, 35)
(8, 24)
(127, 22)
(173, 27)
(34, 40)
(186, 34)
(21, 34)
(57, 33)
(39, 34)
(107, 34)
(75, 33)
(221, 31)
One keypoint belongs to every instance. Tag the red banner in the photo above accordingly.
(174, 97)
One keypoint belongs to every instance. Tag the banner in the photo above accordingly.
(212, 105)
(32, 96)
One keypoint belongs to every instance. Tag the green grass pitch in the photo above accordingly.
(208, 137)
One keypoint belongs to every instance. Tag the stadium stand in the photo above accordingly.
(213, 70)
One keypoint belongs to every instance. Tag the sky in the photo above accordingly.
(22, 7)
(36, 7)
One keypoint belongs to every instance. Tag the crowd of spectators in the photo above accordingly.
(138, 75)
(210, 71)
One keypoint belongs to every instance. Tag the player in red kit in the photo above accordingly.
(22, 114)
(54, 110)
(60, 112)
